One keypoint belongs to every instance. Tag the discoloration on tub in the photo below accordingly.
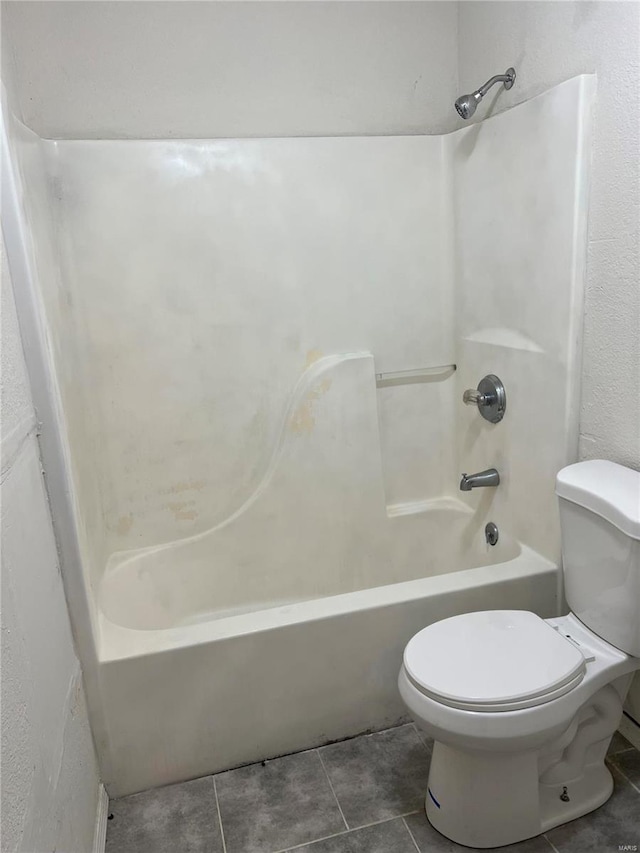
(124, 524)
(181, 511)
(185, 486)
(313, 355)
(302, 420)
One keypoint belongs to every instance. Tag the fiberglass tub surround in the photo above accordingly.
(254, 343)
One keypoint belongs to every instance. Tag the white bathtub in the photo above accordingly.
(186, 694)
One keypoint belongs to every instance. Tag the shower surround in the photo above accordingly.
(254, 346)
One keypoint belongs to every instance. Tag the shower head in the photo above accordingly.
(466, 104)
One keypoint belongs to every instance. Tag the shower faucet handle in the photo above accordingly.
(490, 398)
(470, 396)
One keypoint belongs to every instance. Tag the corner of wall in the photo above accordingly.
(50, 772)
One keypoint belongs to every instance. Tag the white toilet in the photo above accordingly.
(521, 708)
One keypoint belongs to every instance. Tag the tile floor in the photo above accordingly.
(363, 795)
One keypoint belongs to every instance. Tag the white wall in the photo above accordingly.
(224, 69)
(548, 42)
(49, 770)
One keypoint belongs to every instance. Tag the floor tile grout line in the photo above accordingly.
(626, 778)
(415, 843)
(550, 843)
(345, 832)
(335, 796)
(315, 841)
(215, 790)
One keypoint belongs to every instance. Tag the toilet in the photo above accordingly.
(522, 709)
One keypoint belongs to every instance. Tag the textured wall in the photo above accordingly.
(548, 42)
(224, 69)
(49, 771)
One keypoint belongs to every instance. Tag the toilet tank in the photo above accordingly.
(600, 525)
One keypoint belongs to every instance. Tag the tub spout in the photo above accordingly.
(490, 477)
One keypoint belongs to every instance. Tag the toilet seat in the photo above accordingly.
(494, 660)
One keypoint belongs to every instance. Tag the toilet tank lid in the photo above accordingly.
(610, 490)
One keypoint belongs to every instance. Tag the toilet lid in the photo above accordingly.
(494, 660)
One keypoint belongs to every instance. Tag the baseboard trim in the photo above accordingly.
(102, 813)
(630, 729)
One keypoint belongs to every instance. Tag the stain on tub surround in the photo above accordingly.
(124, 524)
(313, 355)
(303, 419)
(186, 512)
(183, 510)
(185, 486)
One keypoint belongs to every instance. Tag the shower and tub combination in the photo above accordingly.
(255, 354)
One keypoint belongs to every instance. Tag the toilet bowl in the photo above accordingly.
(522, 709)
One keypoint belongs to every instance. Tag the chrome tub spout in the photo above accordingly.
(490, 477)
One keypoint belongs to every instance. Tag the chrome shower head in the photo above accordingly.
(466, 104)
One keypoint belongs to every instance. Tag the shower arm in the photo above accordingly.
(507, 79)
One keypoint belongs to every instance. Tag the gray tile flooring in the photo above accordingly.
(364, 795)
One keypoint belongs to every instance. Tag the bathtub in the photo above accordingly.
(189, 689)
